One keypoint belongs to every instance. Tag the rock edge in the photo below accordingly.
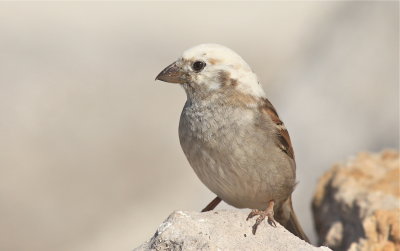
(221, 230)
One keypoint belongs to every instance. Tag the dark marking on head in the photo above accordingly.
(234, 82)
(224, 78)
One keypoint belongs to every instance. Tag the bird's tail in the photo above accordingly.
(287, 218)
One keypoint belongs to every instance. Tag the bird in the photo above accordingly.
(233, 137)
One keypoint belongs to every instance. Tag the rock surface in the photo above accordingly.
(221, 230)
(357, 204)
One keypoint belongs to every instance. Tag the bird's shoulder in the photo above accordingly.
(282, 139)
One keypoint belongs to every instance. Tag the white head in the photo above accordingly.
(212, 68)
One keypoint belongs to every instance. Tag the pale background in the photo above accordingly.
(89, 150)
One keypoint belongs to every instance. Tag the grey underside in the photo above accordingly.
(233, 152)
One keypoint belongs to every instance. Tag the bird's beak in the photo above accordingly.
(172, 74)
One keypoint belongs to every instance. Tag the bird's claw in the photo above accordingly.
(253, 213)
(267, 213)
(271, 221)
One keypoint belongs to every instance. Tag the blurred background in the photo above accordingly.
(89, 151)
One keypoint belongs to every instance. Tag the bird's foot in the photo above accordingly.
(267, 213)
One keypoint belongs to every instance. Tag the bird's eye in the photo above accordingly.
(198, 66)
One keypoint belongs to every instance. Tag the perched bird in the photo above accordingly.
(232, 135)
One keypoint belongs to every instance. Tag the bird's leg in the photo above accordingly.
(212, 204)
(268, 212)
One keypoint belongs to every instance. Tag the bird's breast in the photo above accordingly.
(214, 126)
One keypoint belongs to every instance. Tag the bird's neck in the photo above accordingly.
(220, 98)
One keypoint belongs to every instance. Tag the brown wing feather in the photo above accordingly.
(283, 139)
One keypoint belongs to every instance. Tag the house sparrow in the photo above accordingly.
(232, 135)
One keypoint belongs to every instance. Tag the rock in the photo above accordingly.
(357, 204)
(221, 230)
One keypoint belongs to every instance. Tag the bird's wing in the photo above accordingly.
(282, 139)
